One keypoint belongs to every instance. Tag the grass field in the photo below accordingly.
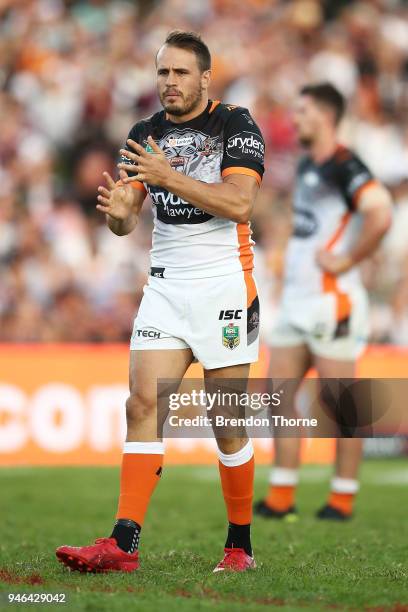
(307, 565)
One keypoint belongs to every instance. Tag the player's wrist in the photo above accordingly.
(349, 261)
(169, 179)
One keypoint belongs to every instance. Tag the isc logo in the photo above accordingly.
(227, 315)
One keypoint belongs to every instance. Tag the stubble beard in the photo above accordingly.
(191, 102)
(306, 141)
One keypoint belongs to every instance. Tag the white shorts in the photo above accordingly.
(312, 321)
(217, 318)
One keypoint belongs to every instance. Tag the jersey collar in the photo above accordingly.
(197, 121)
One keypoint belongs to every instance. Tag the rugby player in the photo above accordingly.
(201, 163)
(340, 214)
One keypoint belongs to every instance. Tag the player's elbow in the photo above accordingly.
(387, 222)
(376, 205)
(241, 218)
(118, 230)
(383, 221)
(384, 227)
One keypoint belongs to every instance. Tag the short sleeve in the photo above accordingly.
(356, 178)
(136, 135)
(244, 147)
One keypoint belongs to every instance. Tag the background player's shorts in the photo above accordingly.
(218, 318)
(312, 321)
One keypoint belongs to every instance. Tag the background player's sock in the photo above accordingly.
(142, 464)
(282, 489)
(237, 481)
(343, 493)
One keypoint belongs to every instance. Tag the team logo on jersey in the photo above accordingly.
(208, 146)
(230, 336)
(254, 320)
(245, 144)
(304, 223)
(311, 179)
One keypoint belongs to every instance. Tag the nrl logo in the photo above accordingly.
(230, 336)
(148, 148)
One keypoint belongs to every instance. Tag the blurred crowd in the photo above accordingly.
(76, 75)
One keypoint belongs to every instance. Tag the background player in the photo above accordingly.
(340, 214)
(201, 163)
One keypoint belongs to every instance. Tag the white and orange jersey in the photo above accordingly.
(325, 216)
(188, 242)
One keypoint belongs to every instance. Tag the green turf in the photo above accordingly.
(307, 565)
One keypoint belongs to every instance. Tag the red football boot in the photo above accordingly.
(235, 560)
(103, 556)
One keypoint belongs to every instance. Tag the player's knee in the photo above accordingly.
(140, 407)
(229, 446)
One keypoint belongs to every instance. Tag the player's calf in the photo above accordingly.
(237, 478)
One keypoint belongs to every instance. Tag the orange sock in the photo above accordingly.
(343, 493)
(282, 488)
(141, 469)
(237, 481)
(342, 501)
(280, 498)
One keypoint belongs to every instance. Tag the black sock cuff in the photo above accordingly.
(128, 523)
(127, 534)
(239, 536)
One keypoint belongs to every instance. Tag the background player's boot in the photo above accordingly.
(339, 506)
(103, 556)
(235, 560)
(332, 514)
(261, 508)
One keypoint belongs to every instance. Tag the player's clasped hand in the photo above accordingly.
(116, 200)
(333, 263)
(151, 168)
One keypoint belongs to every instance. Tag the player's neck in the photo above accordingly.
(323, 149)
(189, 116)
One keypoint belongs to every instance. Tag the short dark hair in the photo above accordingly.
(192, 42)
(328, 95)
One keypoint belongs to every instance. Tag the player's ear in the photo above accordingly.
(205, 79)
